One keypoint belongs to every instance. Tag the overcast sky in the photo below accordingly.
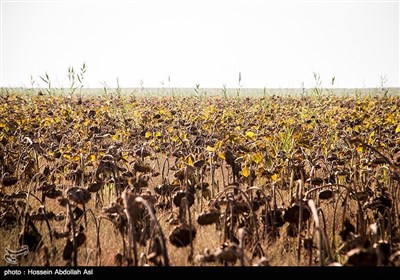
(271, 43)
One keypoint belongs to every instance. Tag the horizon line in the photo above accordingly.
(201, 88)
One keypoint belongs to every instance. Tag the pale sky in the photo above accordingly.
(271, 43)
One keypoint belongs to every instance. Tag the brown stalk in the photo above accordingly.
(201, 189)
(334, 218)
(165, 176)
(242, 234)
(132, 237)
(325, 237)
(212, 170)
(360, 209)
(299, 193)
(190, 232)
(158, 226)
(45, 215)
(291, 183)
(253, 215)
(222, 173)
(71, 217)
(317, 228)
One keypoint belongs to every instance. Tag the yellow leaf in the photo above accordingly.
(371, 138)
(267, 138)
(390, 118)
(158, 134)
(190, 161)
(221, 155)
(359, 149)
(125, 155)
(115, 137)
(371, 104)
(274, 177)
(397, 129)
(218, 144)
(249, 135)
(372, 134)
(210, 149)
(245, 172)
(257, 157)
(67, 155)
(91, 157)
(175, 138)
(86, 122)
(77, 158)
(148, 134)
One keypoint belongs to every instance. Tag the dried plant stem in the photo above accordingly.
(291, 183)
(190, 257)
(325, 237)
(201, 189)
(300, 198)
(84, 214)
(223, 174)
(389, 227)
(396, 208)
(226, 221)
(275, 208)
(212, 171)
(158, 226)
(248, 202)
(355, 195)
(132, 238)
(165, 169)
(45, 215)
(334, 218)
(317, 229)
(242, 234)
(75, 247)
